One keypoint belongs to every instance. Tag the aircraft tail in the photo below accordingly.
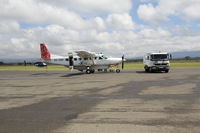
(45, 54)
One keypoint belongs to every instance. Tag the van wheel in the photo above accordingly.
(150, 70)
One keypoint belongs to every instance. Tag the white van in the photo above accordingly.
(157, 62)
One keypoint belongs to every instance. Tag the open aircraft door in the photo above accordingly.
(71, 60)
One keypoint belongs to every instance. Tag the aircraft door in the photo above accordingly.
(71, 62)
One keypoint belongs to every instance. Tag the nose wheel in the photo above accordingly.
(117, 70)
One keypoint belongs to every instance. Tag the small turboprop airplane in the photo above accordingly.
(82, 60)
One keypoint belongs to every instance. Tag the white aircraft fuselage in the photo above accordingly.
(98, 62)
(81, 60)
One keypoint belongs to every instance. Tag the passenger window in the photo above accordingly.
(67, 59)
(75, 59)
(60, 59)
(55, 59)
(80, 58)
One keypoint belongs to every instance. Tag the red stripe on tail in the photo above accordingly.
(45, 54)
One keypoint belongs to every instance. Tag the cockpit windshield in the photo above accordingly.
(105, 57)
(159, 57)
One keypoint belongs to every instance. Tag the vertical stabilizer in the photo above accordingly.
(45, 54)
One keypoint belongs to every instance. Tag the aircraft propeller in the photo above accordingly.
(123, 59)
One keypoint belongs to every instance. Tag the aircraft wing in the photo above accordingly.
(85, 54)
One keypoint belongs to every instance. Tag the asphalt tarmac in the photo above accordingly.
(74, 102)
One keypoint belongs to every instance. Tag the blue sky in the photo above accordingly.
(131, 27)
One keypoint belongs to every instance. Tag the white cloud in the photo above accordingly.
(114, 33)
(154, 33)
(61, 40)
(30, 11)
(192, 11)
(8, 27)
(120, 21)
(187, 10)
(93, 6)
(150, 13)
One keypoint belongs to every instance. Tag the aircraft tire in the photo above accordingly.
(92, 71)
(88, 71)
(117, 70)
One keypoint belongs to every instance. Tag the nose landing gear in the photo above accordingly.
(117, 70)
(88, 71)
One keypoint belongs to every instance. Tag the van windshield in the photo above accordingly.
(159, 57)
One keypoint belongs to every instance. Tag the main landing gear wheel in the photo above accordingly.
(88, 71)
(92, 71)
(117, 70)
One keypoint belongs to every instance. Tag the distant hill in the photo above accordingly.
(20, 60)
(186, 53)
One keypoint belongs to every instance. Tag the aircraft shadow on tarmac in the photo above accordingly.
(82, 73)
(44, 74)
(73, 74)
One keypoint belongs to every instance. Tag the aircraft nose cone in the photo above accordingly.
(115, 60)
(118, 60)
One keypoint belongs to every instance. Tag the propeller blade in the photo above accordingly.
(122, 62)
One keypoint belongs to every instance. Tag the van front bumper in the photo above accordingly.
(160, 68)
